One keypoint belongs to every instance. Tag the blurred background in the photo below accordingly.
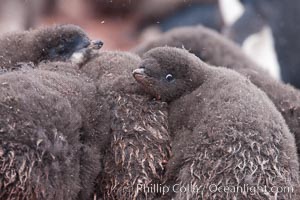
(267, 30)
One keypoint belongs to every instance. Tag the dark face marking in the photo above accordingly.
(66, 46)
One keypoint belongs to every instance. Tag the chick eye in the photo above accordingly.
(169, 77)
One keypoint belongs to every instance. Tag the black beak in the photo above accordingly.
(96, 44)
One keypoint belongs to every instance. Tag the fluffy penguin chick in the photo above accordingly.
(51, 43)
(94, 129)
(227, 132)
(214, 49)
(140, 145)
(42, 115)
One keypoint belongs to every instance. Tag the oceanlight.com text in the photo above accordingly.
(213, 188)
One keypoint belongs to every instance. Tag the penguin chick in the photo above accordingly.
(53, 43)
(94, 129)
(226, 132)
(140, 144)
(216, 50)
(43, 114)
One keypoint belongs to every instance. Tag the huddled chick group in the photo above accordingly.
(78, 123)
